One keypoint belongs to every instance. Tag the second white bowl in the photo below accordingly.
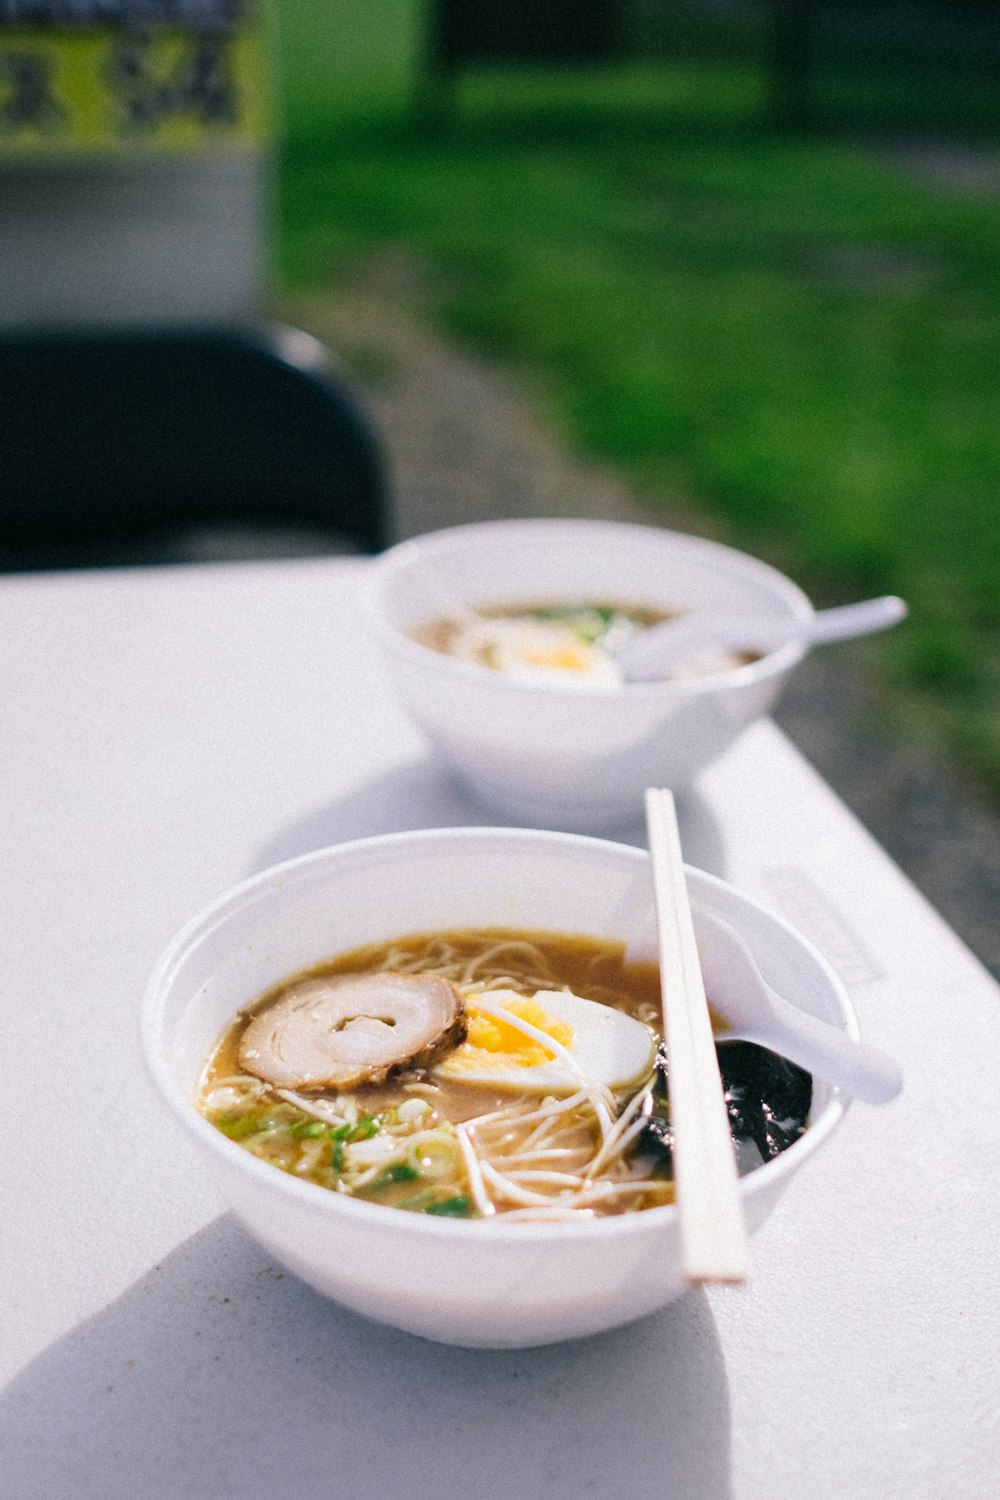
(573, 758)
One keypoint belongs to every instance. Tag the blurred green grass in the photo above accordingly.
(787, 335)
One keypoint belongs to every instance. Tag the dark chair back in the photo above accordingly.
(112, 435)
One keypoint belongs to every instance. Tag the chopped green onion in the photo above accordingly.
(365, 1128)
(243, 1126)
(456, 1208)
(397, 1171)
(590, 622)
(418, 1204)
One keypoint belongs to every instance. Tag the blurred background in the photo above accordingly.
(725, 265)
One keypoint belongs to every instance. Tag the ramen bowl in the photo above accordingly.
(474, 1282)
(570, 757)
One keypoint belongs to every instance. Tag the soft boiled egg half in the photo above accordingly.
(553, 1042)
(545, 652)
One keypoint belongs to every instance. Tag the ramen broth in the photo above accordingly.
(461, 1146)
(573, 643)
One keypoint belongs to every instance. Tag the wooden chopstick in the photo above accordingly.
(713, 1232)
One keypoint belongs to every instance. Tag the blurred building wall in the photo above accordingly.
(145, 241)
(134, 161)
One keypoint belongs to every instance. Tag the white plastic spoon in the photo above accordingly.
(654, 652)
(756, 1012)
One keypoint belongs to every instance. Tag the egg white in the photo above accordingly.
(609, 1048)
(539, 651)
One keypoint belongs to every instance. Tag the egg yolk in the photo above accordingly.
(491, 1043)
(568, 658)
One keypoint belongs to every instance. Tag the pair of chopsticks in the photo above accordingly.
(713, 1232)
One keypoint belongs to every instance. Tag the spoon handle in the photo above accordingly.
(861, 1070)
(656, 651)
(849, 620)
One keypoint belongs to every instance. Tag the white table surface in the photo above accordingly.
(165, 733)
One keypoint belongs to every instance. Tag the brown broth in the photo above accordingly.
(591, 968)
(768, 1100)
(605, 627)
(441, 635)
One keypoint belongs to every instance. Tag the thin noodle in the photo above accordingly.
(320, 1109)
(510, 1190)
(549, 1108)
(595, 1094)
(539, 1159)
(617, 1149)
(477, 1186)
(552, 1153)
(636, 1104)
(550, 1215)
(552, 1179)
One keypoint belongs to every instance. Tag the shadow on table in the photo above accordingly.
(422, 794)
(215, 1375)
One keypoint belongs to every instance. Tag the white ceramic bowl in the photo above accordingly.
(473, 1282)
(573, 759)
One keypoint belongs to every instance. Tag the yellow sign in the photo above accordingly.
(116, 76)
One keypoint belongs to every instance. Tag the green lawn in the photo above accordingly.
(786, 335)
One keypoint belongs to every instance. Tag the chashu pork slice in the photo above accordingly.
(351, 1029)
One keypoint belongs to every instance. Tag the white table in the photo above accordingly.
(167, 732)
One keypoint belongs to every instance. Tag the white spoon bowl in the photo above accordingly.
(756, 1012)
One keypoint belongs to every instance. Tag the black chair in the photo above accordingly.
(114, 443)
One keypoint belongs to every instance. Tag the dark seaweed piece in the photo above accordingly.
(658, 1137)
(768, 1099)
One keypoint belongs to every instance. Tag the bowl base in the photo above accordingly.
(587, 816)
